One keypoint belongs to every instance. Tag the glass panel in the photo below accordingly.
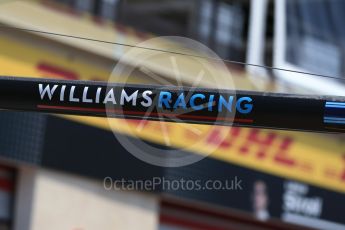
(317, 26)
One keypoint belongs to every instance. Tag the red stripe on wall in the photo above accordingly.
(51, 69)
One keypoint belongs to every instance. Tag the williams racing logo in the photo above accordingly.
(150, 102)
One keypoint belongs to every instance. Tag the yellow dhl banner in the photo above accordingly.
(62, 20)
(312, 158)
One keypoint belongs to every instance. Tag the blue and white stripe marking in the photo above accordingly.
(334, 113)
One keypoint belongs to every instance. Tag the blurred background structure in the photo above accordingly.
(53, 167)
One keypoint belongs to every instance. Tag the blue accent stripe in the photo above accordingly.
(334, 122)
(334, 118)
(334, 113)
(335, 103)
(334, 109)
(336, 106)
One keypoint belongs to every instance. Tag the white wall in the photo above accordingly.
(62, 201)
